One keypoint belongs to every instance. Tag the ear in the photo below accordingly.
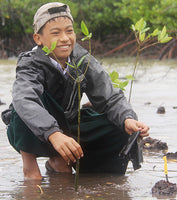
(36, 38)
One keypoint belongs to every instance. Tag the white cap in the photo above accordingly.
(49, 11)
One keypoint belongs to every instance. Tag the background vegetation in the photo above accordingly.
(104, 18)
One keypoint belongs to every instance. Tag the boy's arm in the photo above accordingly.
(27, 92)
(105, 98)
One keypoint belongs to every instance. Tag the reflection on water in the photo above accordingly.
(62, 185)
(155, 86)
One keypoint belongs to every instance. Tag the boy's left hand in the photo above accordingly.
(132, 126)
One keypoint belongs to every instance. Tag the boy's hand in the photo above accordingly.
(66, 146)
(132, 125)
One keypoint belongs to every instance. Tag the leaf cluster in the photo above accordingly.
(117, 82)
(49, 51)
(143, 35)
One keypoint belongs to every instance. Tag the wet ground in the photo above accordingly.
(155, 85)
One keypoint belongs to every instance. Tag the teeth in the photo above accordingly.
(63, 47)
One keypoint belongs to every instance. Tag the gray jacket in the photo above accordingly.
(35, 74)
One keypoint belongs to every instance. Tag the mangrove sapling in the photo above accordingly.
(145, 40)
(78, 80)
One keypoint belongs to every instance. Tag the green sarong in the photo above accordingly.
(100, 140)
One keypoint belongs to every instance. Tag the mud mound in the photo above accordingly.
(171, 155)
(164, 188)
(154, 144)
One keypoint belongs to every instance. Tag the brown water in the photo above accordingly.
(156, 86)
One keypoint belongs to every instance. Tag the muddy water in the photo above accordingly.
(155, 86)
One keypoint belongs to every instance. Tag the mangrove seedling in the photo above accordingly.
(145, 40)
(78, 80)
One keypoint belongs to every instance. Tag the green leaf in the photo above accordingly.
(124, 84)
(141, 37)
(70, 65)
(117, 81)
(140, 25)
(88, 37)
(84, 28)
(80, 61)
(162, 33)
(116, 85)
(53, 46)
(133, 27)
(165, 39)
(155, 32)
(145, 30)
(114, 75)
(129, 77)
(121, 86)
(46, 49)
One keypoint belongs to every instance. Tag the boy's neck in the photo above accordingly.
(62, 62)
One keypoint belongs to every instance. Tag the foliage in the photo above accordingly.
(103, 17)
(17, 16)
(144, 40)
(118, 83)
(156, 12)
(50, 51)
(142, 35)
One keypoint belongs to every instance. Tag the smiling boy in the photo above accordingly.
(45, 103)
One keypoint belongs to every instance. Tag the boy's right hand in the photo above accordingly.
(66, 146)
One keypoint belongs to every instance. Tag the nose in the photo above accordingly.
(64, 37)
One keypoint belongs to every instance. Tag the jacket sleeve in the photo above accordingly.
(27, 91)
(105, 98)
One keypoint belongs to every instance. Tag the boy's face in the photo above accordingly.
(61, 30)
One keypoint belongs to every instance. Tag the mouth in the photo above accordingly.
(64, 47)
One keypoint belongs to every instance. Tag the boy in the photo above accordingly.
(43, 115)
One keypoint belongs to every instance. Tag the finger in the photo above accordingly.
(142, 125)
(77, 150)
(133, 129)
(69, 154)
(145, 129)
(64, 156)
(144, 134)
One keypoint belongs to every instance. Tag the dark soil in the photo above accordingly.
(164, 188)
(154, 144)
(171, 155)
(161, 110)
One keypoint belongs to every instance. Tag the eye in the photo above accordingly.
(70, 30)
(55, 33)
